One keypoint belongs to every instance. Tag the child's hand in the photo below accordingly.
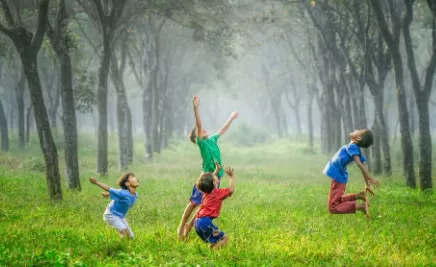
(92, 180)
(105, 194)
(234, 115)
(196, 101)
(368, 189)
(374, 182)
(229, 172)
(217, 167)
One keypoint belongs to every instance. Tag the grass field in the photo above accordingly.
(277, 216)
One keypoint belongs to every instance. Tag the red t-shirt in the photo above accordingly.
(211, 203)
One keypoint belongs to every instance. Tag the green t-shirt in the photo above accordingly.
(210, 152)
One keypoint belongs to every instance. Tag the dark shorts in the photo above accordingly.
(207, 231)
(197, 196)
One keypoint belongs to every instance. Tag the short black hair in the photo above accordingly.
(205, 183)
(123, 179)
(193, 134)
(366, 140)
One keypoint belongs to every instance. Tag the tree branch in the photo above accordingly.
(411, 64)
(42, 22)
(8, 13)
(378, 12)
(429, 75)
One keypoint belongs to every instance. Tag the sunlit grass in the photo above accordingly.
(277, 217)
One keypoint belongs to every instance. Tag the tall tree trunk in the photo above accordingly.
(425, 147)
(20, 106)
(376, 149)
(310, 118)
(48, 147)
(102, 107)
(392, 40)
(412, 109)
(4, 128)
(28, 123)
(422, 94)
(383, 133)
(146, 119)
(69, 122)
(123, 112)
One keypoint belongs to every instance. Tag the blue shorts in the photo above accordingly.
(207, 231)
(197, 196)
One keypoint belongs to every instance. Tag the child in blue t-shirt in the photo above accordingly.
(122, 200)
(336, 169)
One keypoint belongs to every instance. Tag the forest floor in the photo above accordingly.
(277, 216)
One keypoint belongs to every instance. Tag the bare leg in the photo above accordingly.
(188, 210)
(220, 243)
(189, 225)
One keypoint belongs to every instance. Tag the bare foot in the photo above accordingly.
(366, 209)
(180, 233)
(364, 196)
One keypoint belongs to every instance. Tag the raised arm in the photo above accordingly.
(196, 103)
(229, 172)
(97, 183)
(217, 168)
(226, 125)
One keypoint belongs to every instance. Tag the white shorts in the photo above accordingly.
(117, 222)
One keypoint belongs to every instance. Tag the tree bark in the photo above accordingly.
(28, 123)
(422, 94)
(4, 128)
(58, 36)
(123, 113)
(20, 107)
(46, 141)
(392, 40)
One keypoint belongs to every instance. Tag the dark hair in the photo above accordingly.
(193, 135)
(205, 183)
(366, 139)
(123, 179)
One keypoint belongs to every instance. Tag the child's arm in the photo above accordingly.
(217, 168)
(97, 183)
(226, 125)
(196, 103)
(368, 179)
(229, 172)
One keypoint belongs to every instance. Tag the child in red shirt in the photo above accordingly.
(210, 208)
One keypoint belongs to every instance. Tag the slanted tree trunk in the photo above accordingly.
(28, 45)
(4, 128)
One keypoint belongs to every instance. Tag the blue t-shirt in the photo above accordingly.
(121, 202)
(336, 168)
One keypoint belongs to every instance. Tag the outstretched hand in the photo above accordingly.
(92, 180)
(234, 115)
(218, 167)
(229, 171)
(196, 101)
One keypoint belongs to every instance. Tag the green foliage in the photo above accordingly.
(277, 216)
(84, 92)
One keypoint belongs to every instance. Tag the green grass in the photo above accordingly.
(277, 216)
